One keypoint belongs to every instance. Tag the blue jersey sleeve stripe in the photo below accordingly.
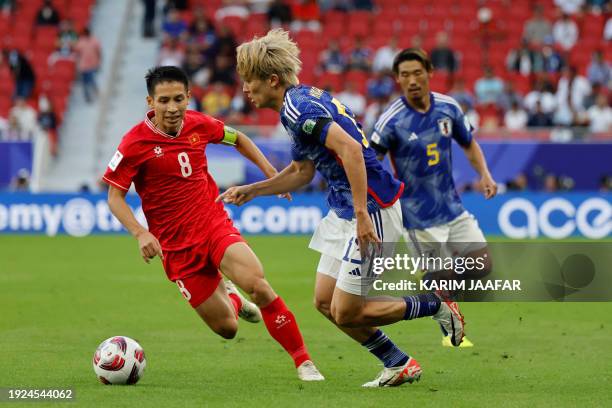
(447, 99)
(380, 125)
(290, 114)
(389, 110)
(290, 108)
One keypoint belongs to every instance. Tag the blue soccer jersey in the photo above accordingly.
(419, 145)
(304, 109)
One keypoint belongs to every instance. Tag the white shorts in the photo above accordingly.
(335, 238)
(459, 237)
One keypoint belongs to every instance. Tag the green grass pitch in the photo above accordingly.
(60, 297)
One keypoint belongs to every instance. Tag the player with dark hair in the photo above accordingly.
(164, 156)
(416, 130)
(363, 197)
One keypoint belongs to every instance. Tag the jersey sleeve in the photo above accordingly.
(215, 129)
(383, 135)
(462, 128)
(122, 167)
(314, 121)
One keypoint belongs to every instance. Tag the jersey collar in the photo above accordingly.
(431, 105)
(149, 115)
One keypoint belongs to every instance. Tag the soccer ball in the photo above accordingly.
(119, 360)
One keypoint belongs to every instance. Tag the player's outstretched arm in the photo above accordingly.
(351, 154)
(245, 146)
(476, 157)
(148, 244)
(291, 178)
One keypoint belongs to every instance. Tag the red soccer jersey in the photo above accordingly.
(171, 177)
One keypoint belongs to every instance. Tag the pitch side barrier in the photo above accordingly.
(515, 216)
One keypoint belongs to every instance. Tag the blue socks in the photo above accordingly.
(422, 305)
(385, 350)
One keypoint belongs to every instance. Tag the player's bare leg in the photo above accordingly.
(324, 291)
(242, 266)
(218, 313)
(399, 367)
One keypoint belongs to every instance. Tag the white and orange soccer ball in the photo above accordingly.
(119, 360)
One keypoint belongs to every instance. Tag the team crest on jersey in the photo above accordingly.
(446, 126)
(194, 139)
(158, 151)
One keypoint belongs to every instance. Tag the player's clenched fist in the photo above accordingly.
(149, 246)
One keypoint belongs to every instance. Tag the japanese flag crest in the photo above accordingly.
(446, 126)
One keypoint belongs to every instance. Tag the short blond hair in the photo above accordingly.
(275, 53)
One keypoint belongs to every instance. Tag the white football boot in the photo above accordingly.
(249, 311)
(307, 371)
(394, 376)
(451, 321)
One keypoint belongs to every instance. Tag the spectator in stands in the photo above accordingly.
(21, 182)
(148, 19)
(373, 112)
(174, 27)
(352, 99)
(519, 183)
(331, 59)
(383, 60)
(565, 32)
(306, 15)
(605, 183)
(600, 115)
(89, 57)
(607, 33)
(539, 118)
(472, 116)
(572, 90)
(226, 42)
(171, 53)
(541, 94)
(521, 59)
(442, 56)
(360, 57)
(22, 72)
(47, 14)
(599, 71)
(4, 125)
(67, 38)
(195, 68)
(551, 183)
(509, 97)
(181, 5)
(204, 37)
(232, 8)
(12, 131)
(25, 118)
(47, 120)
(553, 62)
(223, 70)
(7, 7)
(279, 13)
(367, 5)
(217, 100)
(489, 87)
(380, 86)
(462, 94)
(570, 6)
(515, 118)
(538, 28)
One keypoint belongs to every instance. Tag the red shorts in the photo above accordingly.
(196, 269)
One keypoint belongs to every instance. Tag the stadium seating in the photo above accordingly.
(37, 43)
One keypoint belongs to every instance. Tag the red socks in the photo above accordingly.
(283, 328)
(236, 302)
